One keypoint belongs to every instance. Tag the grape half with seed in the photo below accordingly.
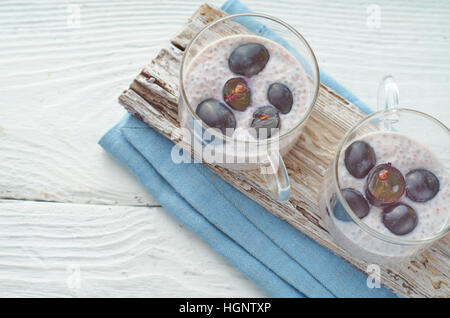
(385, 185)
(236, 93)
(265, 119)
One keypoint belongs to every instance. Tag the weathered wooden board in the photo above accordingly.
(153, 97)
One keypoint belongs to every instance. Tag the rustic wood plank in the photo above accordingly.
(153, 98)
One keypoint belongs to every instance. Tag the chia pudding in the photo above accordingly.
(397, 187)
(246, 81)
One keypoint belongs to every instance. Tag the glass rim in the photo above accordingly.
(290, 28)
(355, 218)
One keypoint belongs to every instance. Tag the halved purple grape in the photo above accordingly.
(248, 59)
(265, 118)
(421, 185)
(216, 115)
(400, 218)
(357, 203)
(359, 159)
(385, 185)
(236, 93)
(280, 96)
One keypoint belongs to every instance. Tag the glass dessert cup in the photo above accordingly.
(355, 235)
(232, 152)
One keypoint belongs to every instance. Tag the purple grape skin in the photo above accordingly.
(400, 218)
(356, 201)
(273, 120)
(359, 159)
(216, 115)
(248, 59)
(421, 185)
(280, 96)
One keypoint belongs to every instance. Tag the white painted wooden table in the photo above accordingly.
(75, 223)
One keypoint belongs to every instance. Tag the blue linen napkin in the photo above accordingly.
(282, 261)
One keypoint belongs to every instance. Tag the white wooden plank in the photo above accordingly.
(121, 252)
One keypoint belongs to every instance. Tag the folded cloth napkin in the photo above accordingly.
(282, 261)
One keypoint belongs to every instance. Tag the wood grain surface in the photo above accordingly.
(117, 251)
(58, 94)
(153, 97)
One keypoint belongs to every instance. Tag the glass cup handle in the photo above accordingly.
(276, 176)
(388, 100)
(388, 94)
